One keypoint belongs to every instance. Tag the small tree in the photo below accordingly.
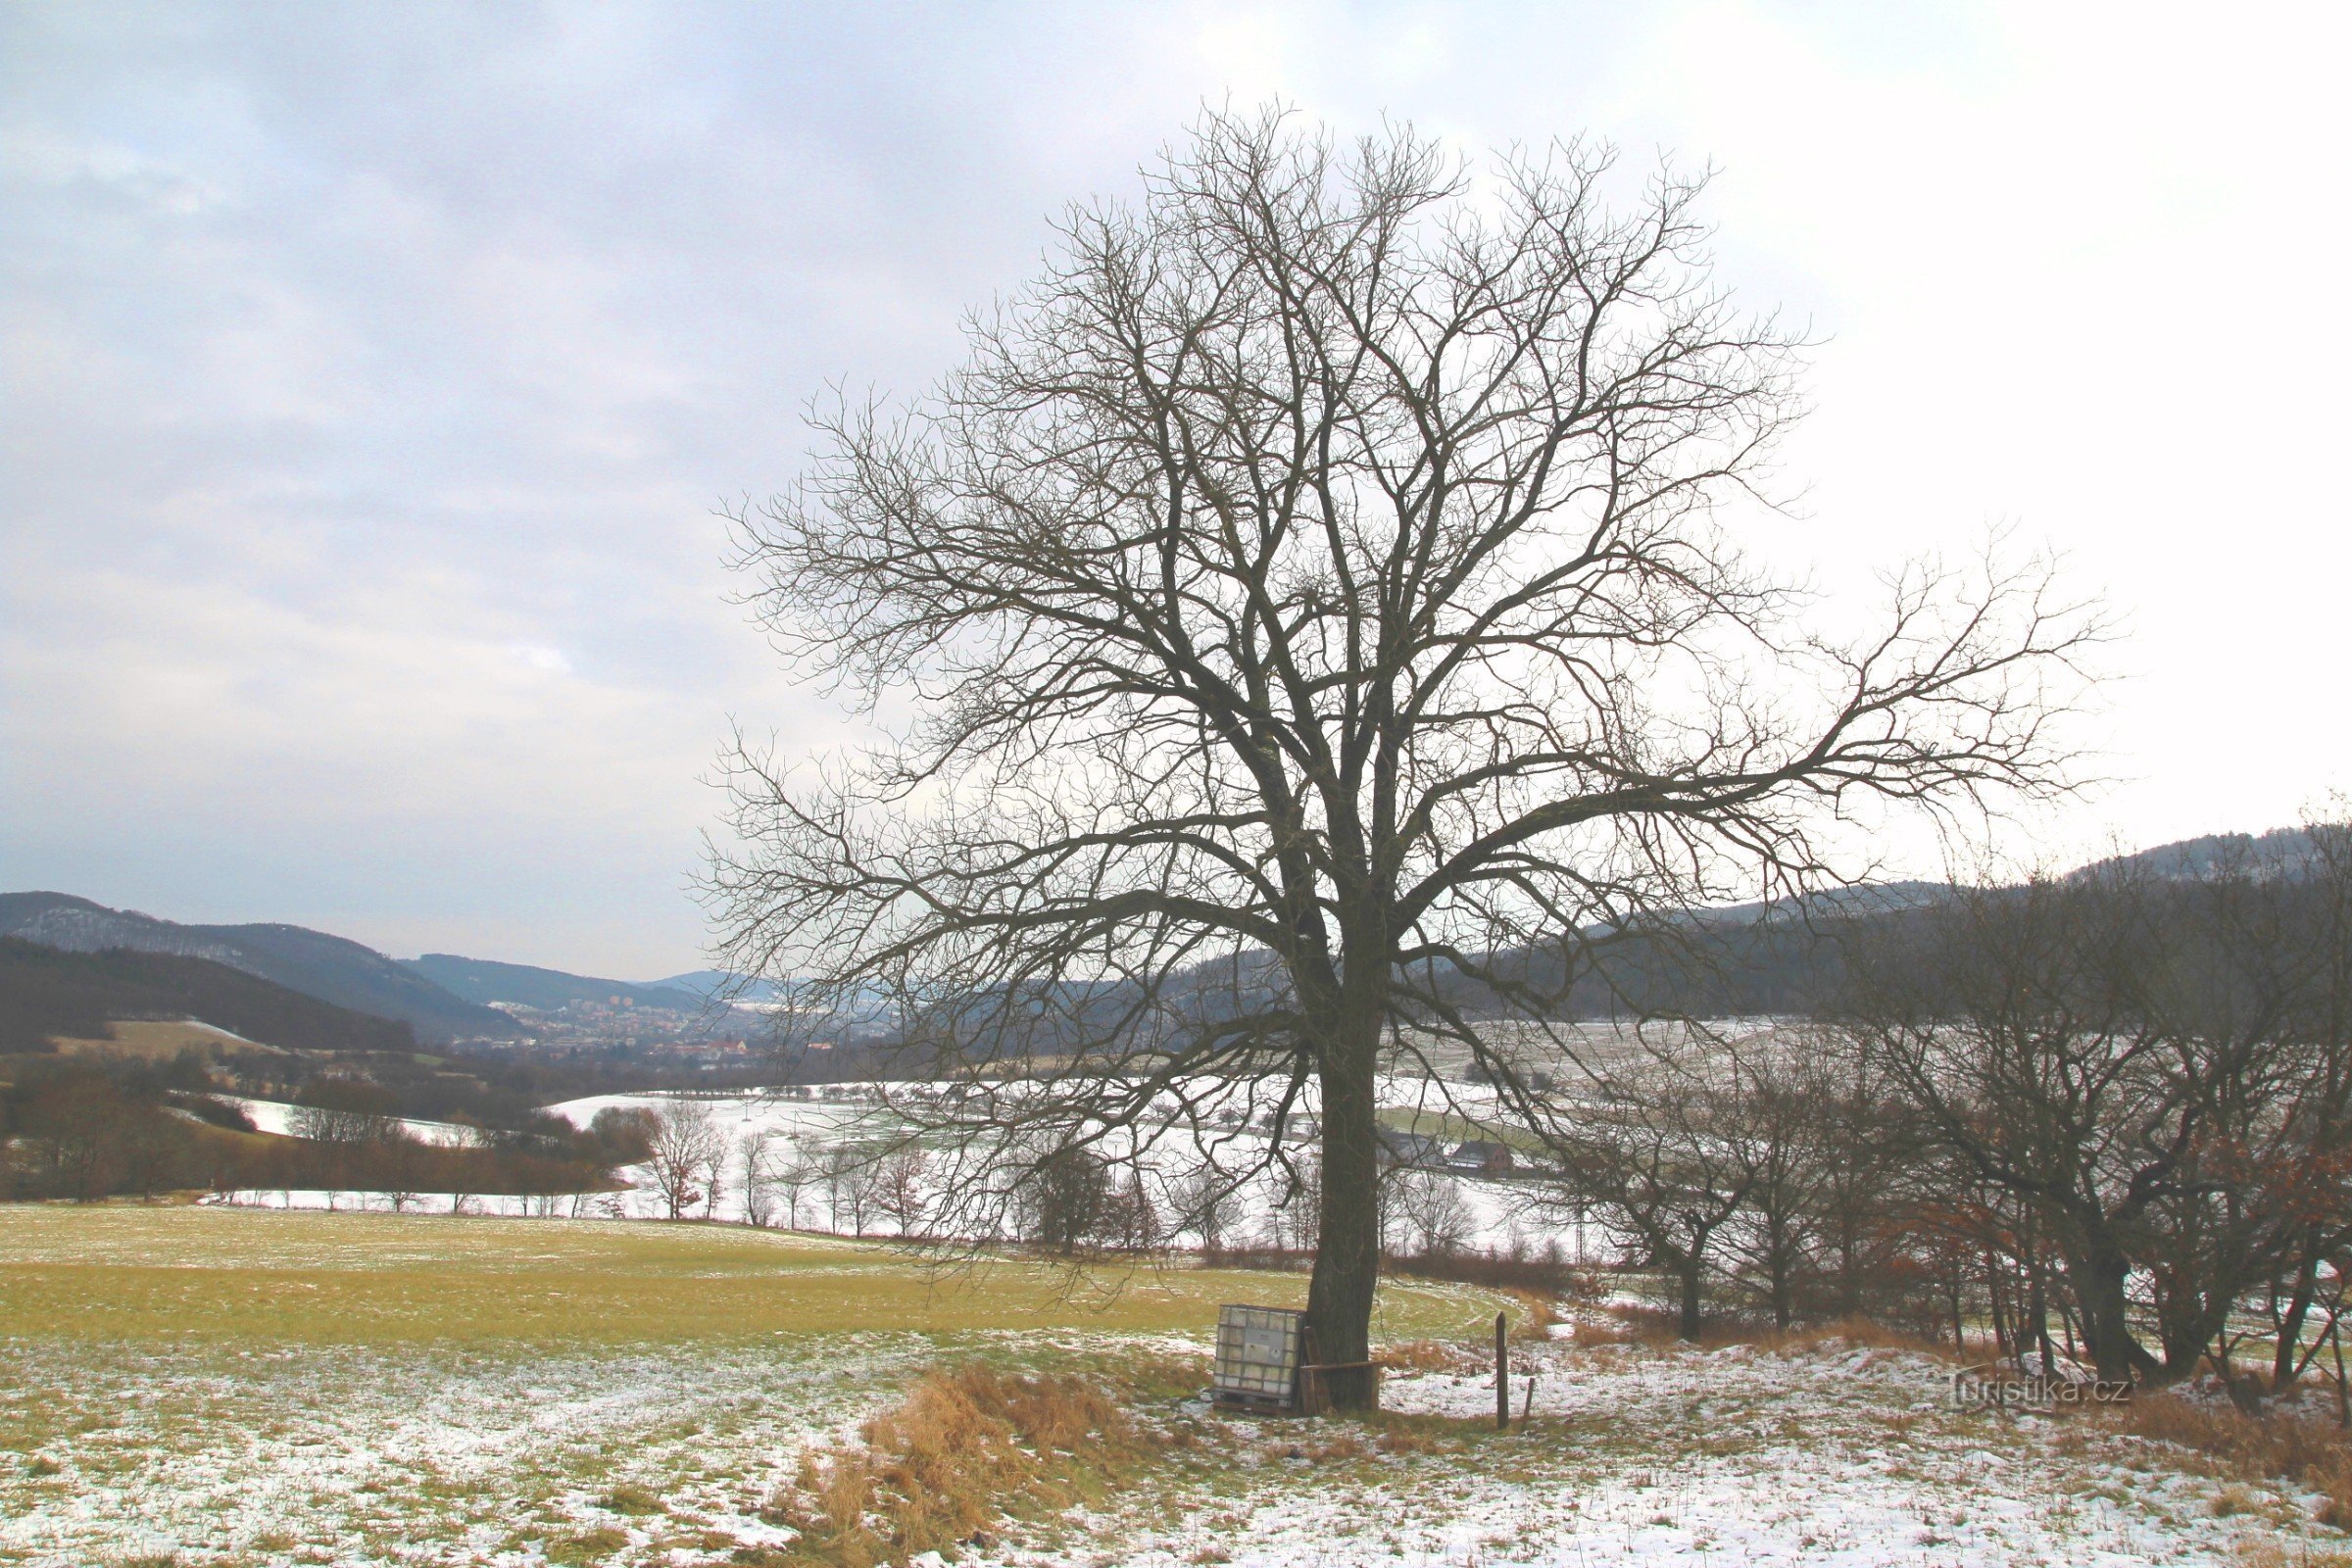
(1652, 1149)
(757, 1174)
(684, 1154)
(1205, 1207)
(1781, 1136)
(1065, 1193)
(1130, 1220)
(901, 1189)
(791, 1177)
(1429, 1214)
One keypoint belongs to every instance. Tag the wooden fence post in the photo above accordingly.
(1502, 1373)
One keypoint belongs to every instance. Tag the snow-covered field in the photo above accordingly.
(1500, 1215)
(278, 1116)
(678, 1455)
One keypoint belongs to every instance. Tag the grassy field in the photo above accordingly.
(198, 1388)
(199, 1384)
(176, 1275)
(161, 1039)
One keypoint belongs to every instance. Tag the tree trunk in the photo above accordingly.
(1996, 1305)
(2037, 1330)
(1338, 1298)
(1689, 1325)
(1850, 1263)
(2098, 1277)
(2285, 1362)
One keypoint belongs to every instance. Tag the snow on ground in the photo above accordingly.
(278, 1116)
(1501, 1214)
(497, 1205)
(1833, 1455)
(359, 1456)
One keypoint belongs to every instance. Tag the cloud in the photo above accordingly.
(373, 375)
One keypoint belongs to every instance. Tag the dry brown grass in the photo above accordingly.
(2280, 1446)
(1626, 1326)
(1849, 1333)
(1535, 1316)
(1431, 1356)
(2263, 1552)
(966, 1449)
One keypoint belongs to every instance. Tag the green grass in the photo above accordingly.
(181, 1275)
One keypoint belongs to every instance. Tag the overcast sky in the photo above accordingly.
(371, 374)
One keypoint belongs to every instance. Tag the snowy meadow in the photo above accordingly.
(222, 1386)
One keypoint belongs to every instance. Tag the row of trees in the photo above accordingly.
(1077, 1202)
(2111, 1111)
(846, 1187)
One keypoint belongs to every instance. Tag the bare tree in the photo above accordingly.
(850, 1174)
(2150, 1063)
(1314, 620)
(2011, 1023)
(684, 1154)
(794, 1176)
(1131, 1219)
(1430, 1216)
(1206, 1205)
(834, 1167)
(2318, 1206)
(344, 1112)
(757, 1177)
(1655, 1150)
(901, 1189)
(1784, 1137)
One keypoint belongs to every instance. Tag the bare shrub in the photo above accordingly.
(2276, 1444)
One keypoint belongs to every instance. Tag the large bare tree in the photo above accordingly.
(1309, 600)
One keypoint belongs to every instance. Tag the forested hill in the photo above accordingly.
(330, 969)
(482, 980)
(46, 992)
(1753, 960)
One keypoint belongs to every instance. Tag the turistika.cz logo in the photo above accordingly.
(1995, 1386)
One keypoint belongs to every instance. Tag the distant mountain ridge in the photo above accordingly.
(47, 991)
(486, 981)
(704, 984)
(331, 968)
(1761, 957)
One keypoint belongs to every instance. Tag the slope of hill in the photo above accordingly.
(330, 969)
(705, 984)
(484, 980)
(46, 991)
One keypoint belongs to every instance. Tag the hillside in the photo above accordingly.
(485, 981)
(46, 991)
(330, 969)
(703, 985)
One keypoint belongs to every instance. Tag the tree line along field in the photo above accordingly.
(202, 1386)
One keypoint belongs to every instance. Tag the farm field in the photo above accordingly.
(202, 1386)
